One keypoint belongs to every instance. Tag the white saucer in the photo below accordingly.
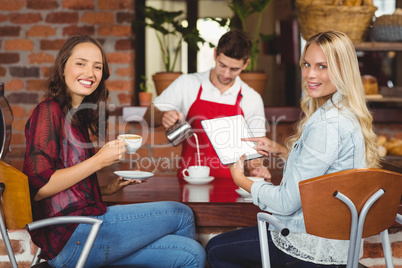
(255, 178)
(244, 199)
(133, 174)
(198, 180)
(242, 192)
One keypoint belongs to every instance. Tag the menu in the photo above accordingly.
(225, 134)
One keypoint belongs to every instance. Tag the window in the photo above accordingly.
(211, 31)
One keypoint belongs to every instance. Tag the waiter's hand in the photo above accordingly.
(169, 118)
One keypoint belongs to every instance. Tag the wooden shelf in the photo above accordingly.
(390, 95)
(386, 99)
(379, 46)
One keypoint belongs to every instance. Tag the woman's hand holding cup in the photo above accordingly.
(110, 153)
(133, 142)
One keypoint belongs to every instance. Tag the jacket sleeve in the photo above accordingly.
(311, 156)
(42, 140)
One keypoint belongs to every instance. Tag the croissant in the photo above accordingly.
(396, 150)
(392, 143)
(381, 140)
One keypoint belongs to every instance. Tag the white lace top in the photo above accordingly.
(311, 248)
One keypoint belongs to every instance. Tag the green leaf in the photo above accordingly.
(169, 24)
(259, 6)
(243, 10)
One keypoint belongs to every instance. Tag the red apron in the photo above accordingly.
(201, 110)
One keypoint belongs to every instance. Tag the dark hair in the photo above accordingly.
(57, 88)
(234, 44)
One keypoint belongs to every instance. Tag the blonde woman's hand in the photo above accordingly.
(111, 153)
(237, 171)
(266, 146)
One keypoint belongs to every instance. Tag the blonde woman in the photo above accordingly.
(336, 133)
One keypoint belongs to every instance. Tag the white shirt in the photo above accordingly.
(182, 93)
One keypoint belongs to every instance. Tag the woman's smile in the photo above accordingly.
(85, 83)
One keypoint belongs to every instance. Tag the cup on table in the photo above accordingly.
(196, 172)
(133, 141)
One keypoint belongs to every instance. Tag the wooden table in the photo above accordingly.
(214, 204)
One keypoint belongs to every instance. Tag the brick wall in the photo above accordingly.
(23, 248)
(32, 32)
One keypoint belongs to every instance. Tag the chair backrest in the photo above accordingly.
(328, 217)
(16, 198)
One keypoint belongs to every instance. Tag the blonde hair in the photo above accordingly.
(344, 73)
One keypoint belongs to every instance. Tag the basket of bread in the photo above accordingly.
(388, 28)
(352, 17)
(370, 85)
(392, 146)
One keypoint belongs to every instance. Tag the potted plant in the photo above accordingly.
(242, 10)
(144, 96)
(167, 26)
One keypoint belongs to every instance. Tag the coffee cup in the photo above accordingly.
(133, 141)
(196, 172)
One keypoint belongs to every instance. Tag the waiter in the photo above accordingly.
(218, 92)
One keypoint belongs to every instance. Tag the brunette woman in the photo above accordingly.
(61, 165)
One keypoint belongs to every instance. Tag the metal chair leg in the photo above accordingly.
(36, 259)
(263, 218)
(362, 218)
(3, 230)
(386, 247)
(353, 228)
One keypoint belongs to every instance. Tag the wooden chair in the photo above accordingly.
(346, 205)
(15, 213)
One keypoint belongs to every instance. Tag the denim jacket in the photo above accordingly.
(331, 141)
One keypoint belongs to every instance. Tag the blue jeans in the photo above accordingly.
(157, 234)
(241, 248)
